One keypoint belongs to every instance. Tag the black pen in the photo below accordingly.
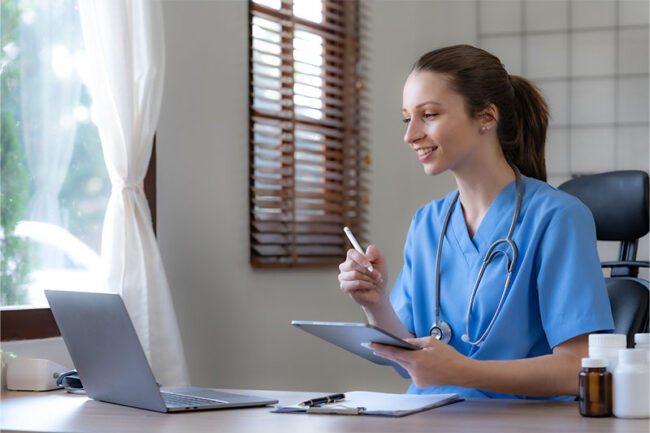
(322, 400)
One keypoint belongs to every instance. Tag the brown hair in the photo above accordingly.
(482, 80)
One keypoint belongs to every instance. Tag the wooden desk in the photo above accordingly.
(57, 411)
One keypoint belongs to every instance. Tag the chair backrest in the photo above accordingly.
(619, 202)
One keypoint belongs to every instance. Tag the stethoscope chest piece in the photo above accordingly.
(441, 331)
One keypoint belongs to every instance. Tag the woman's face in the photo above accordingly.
(438, 127)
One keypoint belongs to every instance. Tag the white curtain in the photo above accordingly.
(126, 54)
(50, 91)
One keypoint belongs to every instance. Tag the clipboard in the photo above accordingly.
(375, 403)
(356, 338)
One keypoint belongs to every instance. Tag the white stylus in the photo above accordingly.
(355, 244)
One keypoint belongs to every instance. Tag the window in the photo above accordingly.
(54, 187)
(54, 181)
(306, 159)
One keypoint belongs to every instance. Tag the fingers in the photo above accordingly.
(354, 280)
(352, 266)
(356, 262)
(423, 342)
(373, 254)
(402, 356)
(358, 259)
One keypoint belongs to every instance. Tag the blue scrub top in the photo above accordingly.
(557, 291)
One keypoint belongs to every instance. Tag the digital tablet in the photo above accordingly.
(356, 338)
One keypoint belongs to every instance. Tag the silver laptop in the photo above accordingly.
(111, 364)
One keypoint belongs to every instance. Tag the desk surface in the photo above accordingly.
(58, 411)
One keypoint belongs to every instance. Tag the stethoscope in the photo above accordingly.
(442, 330)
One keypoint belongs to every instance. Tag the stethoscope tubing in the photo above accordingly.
(440, 328)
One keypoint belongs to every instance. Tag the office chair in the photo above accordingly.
(618, 201)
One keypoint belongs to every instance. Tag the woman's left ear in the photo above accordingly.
(488, 118)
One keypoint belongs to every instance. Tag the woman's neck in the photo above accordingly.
(478, 185)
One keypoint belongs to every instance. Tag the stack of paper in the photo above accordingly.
(376, 403)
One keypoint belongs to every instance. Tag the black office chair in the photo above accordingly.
(619, 203)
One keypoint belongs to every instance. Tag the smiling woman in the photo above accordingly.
(501, 281)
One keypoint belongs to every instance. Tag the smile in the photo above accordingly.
(425, 153)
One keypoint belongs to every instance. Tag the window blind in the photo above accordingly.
(306, 160)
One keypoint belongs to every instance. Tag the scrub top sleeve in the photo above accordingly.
(401, 296)
(571, 288)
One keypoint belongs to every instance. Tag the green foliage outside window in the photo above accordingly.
(14, 176)
(14, 197)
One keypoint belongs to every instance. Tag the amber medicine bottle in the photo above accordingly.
(595, 388)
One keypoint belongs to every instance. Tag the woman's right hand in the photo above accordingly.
(367, 288)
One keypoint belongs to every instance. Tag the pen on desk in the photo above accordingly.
(322, 400)
(355, 244)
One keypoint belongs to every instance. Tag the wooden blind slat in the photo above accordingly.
(284, 239)
(332, 123)
(330, 186)
(279, 227)
(262, 192)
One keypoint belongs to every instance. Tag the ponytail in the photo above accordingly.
(524, 139)
(482, 80)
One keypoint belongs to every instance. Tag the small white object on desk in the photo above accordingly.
(30, 374)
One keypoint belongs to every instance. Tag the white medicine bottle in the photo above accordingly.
(632, 385)
(606, 346)
(642, 341)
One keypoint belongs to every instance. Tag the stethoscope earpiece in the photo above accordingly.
(465, 338)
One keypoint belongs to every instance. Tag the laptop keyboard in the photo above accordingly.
(181, 400)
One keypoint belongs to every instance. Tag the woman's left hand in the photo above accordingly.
(437, 364)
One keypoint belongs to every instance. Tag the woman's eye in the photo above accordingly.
(406, 120)
(430, 115)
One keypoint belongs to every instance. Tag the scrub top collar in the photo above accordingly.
(495, 224)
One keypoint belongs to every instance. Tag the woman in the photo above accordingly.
(522, 328)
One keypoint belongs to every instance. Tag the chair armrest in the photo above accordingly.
(638, 264)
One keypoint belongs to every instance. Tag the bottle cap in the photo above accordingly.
(632, 356)
(608, 340)
(642, 339)
(594, 363)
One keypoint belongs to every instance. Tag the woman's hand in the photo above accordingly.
(367, 288)
(437, 364)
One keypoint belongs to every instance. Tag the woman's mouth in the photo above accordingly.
(425, 153)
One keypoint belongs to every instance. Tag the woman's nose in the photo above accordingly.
(413, 132)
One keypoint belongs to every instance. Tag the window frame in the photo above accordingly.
(354, 156)
(31, 323)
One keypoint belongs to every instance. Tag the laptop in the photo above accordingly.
(113, 368)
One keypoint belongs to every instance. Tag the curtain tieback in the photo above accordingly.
(123, 187)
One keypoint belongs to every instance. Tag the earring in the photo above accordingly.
(484, 129)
